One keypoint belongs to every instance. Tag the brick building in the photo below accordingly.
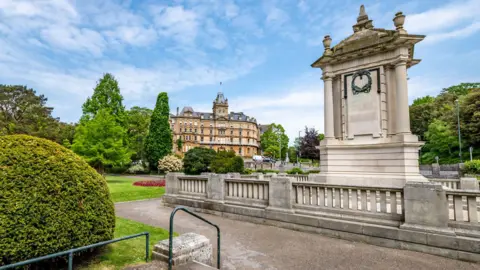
(219, 129)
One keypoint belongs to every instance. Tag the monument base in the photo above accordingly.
(384, 162)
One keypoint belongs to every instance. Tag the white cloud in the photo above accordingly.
(457, 33)
(75, 39)
(443, 17)
(176, 22)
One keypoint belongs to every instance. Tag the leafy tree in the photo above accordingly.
(273, 137)
(470, 115)
(442, 142)
(100, 141)
(421, 115)
(461, 89)
(22, 111)
(106, 95)
(137, 122)
(179, 144)
(198, 160)
(292, 154)
(159, 139)
(309, 142)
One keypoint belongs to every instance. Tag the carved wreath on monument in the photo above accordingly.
(366, 87)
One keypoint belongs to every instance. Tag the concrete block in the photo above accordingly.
(381, 231)
(186, 247)
(469, 244)
(467, 256)
(216, 187)
(280, 194)
(425, 204)
(412, 236)
(444, 241)
(468, 183)
(172, 183)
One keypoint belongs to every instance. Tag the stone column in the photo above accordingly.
(172, 183)
(280, 194)
(328, 106)
(216, 187)
(402, 110)
(425, 207)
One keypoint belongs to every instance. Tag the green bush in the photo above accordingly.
(227, 161)
(197, 160)
(295, 171)
(248, 171)
(267, 171)
(472, 167)
(314, 171)
(51, 200)
(137, 169)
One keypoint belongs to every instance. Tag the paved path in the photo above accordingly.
(252, 246)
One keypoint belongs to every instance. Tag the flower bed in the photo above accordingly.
(150, 183)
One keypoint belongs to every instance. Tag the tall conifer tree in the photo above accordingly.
(159, 139)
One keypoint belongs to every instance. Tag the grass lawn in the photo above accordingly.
(127, 252)
(123, 190)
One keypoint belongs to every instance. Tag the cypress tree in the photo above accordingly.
(159, 140)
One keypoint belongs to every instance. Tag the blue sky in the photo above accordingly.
(260, 50)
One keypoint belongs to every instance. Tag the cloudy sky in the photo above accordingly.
(260, 50)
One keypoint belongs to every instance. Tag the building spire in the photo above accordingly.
(362, 21)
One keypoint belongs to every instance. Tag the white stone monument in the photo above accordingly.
(367, 124)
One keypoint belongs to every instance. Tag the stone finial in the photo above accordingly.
(362, 21)
(327, 41)
(398, 21)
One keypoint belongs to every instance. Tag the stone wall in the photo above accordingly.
(422, 216)
(444, 171)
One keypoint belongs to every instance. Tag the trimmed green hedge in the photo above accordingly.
(50, 200)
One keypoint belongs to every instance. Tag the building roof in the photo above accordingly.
(263, 128)
(220, 99)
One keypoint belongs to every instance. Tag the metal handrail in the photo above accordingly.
(71, 251)
(170, 235)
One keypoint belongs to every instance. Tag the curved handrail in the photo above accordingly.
(170, 235)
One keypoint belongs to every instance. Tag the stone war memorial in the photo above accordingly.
(369, 188)
(366, 114)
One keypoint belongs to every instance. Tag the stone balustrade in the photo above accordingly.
(464, 209)
(359, 199)
(193, 184)
(421, 216)
(448, 183)
(300, 177)
(247, 190)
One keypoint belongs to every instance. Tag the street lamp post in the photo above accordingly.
(298, 152)
(459, 135)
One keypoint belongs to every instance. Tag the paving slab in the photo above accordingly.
(252, 246)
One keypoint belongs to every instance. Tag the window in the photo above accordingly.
(185, 129)
(240, 150)
(195, 130)
(248, 133)
(201, 138)
(231, 139)
(201, 130)
(190, 130)
(195, 137)
(211, 139)
(231, 132)
(248, 150)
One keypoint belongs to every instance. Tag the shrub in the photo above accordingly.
(227, 161)
(170, 163)
(314, 171)
(197, 160)
(137, 169)
(267, 171)
(295, 171)
(472, 167)
(51, 200)
(150, 183)
(248, 171)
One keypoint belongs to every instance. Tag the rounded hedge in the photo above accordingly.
(50, 200)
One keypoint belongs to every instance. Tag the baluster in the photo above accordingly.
(354, 199)
(265, 189)
(363, 195)
(458, 206)
(304, 193)
(472, 209)
(300, 195)
(338, 200)
(383, 201)
(373, 201)
(255, 191)
(314, 192)
(321, 196)
(250, 191)
(346, 198)
(329, 197)
(393, 202)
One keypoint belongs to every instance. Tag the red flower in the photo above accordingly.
(150, 183)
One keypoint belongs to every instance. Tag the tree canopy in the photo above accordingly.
(309, 143)
(138, 122)
(434, 120)
(271, 140)
(22, 111)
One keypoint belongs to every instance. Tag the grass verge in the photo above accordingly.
(127, 252)
(123, 190)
